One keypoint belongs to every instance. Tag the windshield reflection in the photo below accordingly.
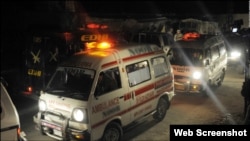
(186, 57)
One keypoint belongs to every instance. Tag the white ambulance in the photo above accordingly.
(138, 82)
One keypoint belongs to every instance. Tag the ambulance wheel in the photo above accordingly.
(221, 78)
(42, 131)
(161, 109)
(113, 132)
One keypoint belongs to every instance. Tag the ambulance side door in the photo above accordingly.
(215, 61)
(209, 65)
(142, 88)
(108, 104)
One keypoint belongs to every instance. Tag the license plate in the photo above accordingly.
(33, 72)
(179, 87)
(56, 132)
(53, 126)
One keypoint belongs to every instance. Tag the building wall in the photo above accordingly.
(244, 17)
(225, 21)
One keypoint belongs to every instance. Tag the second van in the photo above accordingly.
(198, 62)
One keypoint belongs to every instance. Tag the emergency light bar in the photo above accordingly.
(96, 26)
(93, 26)
(98, 45)
(191, 36)
(103, 45)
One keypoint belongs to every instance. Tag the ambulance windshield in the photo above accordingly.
(71, 82)
(186, 57)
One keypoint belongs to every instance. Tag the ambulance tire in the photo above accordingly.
(222, 76)
(161, 109)
(41, 131)
(113, 132)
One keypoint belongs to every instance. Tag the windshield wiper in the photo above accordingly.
(78, 95)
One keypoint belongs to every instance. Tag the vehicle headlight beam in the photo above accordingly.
(196, 75)
(235, 54)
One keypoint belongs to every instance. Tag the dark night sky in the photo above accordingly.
(12, 18)
(168, 7)
(120, 7)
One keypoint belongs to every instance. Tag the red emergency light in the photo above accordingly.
(28, 90)
(191, 36)
(93, 26)
(96, 26)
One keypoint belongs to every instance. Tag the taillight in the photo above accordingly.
(21, 135)
(29, 89)
(18, 132)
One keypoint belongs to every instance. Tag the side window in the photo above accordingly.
(222, 48)
(160, 66)
(108, 81)
(215, 52)
(138, 73)
(208, 53)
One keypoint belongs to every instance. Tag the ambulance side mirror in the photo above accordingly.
(166, 49)
(169, 53)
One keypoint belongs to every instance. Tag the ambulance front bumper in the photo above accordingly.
(187, 87)
(59, 131)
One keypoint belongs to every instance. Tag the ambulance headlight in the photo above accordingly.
(197, 75)
(79, 115)
(235, 54)
(42, 105)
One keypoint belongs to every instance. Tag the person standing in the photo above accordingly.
(170, 36)
(178, 35)
(105, 84)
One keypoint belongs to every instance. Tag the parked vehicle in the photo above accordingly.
(10, 122)
(46, 49)
(199, 26)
